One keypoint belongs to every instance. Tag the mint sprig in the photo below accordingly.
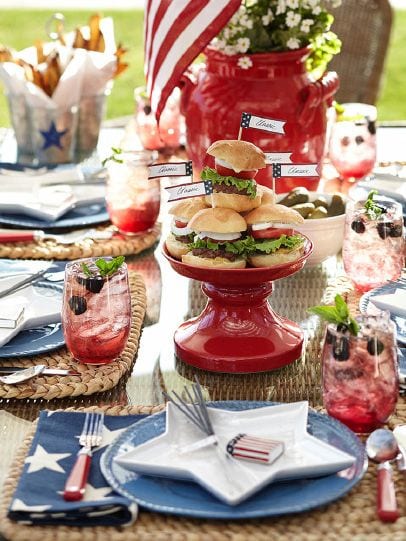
(372, 210)
(338, 314)
(106, 268)
(114, 157)
(248, 185)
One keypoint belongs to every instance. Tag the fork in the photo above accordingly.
(18, 235)
(90, 437)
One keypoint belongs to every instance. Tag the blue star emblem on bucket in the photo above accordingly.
(52, 137)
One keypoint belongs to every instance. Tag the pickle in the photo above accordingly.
(304, 209)
(321, 201)
(337, 205)
(295, 197)
(318, 212)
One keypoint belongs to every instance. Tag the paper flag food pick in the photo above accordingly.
(261, 123)
(294, 170)
(191, 189)
(255, 449)
(170, 169)
(278, 157)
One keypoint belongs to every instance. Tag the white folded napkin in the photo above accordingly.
(41, 306)
(395, 302)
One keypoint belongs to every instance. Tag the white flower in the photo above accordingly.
(313, 3)
(244, 62)
(219, 43)
(335, 3)
(281, 7)
(293, 43)
(267, 18)
(305, 26)
(292, 19)
(243, 45)
(230, 50)
(316, 10)
(292, 4)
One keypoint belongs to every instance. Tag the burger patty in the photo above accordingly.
(212, 254)
(183, 238)
(223, 188)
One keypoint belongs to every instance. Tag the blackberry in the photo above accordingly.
(329, 337)
(384, 229)
(371, 127)
(78, 305)
(341, 349)
(93, 284)
(359, 139)
(396, 230)
(358, 226)
(345, 141)
(147, 109)
(375, 346)
(342, 327)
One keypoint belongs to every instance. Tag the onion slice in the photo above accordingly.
(267, 225)
(218, 236)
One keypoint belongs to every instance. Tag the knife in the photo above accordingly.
(46, 371)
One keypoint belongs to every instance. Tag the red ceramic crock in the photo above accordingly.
(277, 86)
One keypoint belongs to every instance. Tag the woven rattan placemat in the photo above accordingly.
(351, 518)
(92, 379)
(50, 249)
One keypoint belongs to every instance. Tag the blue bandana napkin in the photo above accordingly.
(38, 498)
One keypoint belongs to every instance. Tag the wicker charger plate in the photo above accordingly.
(351, 518)
(92, 379)
(49, 249)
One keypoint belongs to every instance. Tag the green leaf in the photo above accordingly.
(337, 314)
(242, 184)
(269, 246)
(107, 268)
(86, 270)
(342, 308)
(372, 210)
(328, 313)
(114, 156)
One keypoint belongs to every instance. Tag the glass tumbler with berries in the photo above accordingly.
(352, 143)
(96, 309)
(373, 245)
(359, 367)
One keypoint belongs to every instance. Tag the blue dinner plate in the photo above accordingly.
(40, 339)
(365, 305)
(186, 498)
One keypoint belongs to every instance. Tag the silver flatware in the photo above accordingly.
(22, 283)
(45, 371)
(90, 437)
(23, 375)
(27, 235)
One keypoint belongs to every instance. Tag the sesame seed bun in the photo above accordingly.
(274, 213)
(218, 220)
(241, 155)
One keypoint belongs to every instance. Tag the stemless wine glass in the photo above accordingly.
(373, 246)
(352, 143)
(96, 312)
(360, 376)
(133, 200)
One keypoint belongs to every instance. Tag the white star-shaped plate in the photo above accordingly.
(234, 481)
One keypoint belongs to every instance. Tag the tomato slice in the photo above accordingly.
(227, 172)
(180, 224)
(271, 233)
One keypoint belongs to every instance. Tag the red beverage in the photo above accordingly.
(96, 312)
(360, 378)
(132, 199)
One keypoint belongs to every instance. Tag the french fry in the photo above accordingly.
(79, 42)
(101, 45)
(121, 66)
(94, 28)
(52, 73)
(6, 54)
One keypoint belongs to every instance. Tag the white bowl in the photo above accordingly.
(326, 233)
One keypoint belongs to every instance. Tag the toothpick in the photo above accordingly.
(240, 133)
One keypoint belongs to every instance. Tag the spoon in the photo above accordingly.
(381, 447)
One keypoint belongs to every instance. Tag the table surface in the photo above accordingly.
(172, 299)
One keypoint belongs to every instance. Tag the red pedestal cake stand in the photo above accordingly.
(238, 331)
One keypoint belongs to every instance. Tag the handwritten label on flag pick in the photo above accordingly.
(260, 123)
(294, 170)
(278, 157)
(179, 169)
(191, 189)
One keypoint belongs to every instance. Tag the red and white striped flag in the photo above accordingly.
(176, 32)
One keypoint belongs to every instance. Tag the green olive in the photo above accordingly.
(318, 212)
(304, 209)
(337, 205)
(321, 201)
(295, 197)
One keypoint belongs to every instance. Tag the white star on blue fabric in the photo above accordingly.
(42, 460)
(19, 505)
(52, 137)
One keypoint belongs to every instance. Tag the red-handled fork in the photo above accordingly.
(90, 437)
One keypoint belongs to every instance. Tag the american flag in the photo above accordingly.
(176, 32)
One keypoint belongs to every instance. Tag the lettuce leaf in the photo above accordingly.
(248, 245)
(269, 246)
(242, 184)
